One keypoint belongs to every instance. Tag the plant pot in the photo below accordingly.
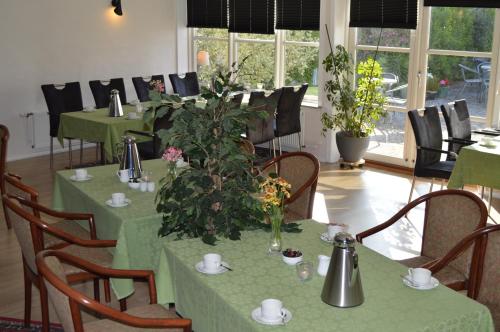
(351, 149)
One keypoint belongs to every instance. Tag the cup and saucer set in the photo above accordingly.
(81, 175)
(420, 279)
(332, 230)
(271, 312)
(212, 264)
(118, 200)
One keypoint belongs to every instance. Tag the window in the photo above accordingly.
(285, 58)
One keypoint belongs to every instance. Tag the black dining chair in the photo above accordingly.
(62, 98)
(185, 85)
(261, 130)
(288, 112)
(101, 91)
(457, 119)
(429, 139)
(237, 99)
(152, 149)
(141, 85)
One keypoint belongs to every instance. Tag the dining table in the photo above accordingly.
(224, 302)
(95, 125)
(135, 226)
(477, 164)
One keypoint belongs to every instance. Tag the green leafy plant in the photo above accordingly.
(356, 110)
(217, 195)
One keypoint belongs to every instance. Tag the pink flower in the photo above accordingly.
(443, 82)
(172, 154)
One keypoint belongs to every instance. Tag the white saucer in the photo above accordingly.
(127, 201)
(88, 110)
(324, 237)
(201, 268)
(431, 285)
(489, 146)
(74, 178)
(257, 316)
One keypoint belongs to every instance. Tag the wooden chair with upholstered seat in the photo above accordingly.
(68, 301)
(449, 216)
(30, 230)
(301, 170)
(485, 275)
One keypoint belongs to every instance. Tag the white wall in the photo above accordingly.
(56, 41)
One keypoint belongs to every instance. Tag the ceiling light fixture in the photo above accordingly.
(118, 7)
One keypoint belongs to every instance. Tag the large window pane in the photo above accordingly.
(302, 36)
(255, 36)
(216, 33)
(390, 37)
(464, 29)
(451, 77)
(259, 68)
(302, 67)
(388, 138)
(394, 76)
(218, 58)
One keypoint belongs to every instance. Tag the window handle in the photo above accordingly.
(419, 78)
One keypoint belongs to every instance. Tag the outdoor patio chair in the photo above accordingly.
(101, 90)
(69, 302)
(471, 79)
(484, 72)
(141, 85)
(301, 170)
(185, 85)
(450, 215)
(483, 281)
(429, 139)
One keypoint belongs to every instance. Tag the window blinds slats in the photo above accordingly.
(297, 14)
(384, 13)
(207, 13)
(251, 16)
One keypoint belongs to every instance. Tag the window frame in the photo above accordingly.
(280, 44)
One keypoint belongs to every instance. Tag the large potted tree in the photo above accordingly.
(356, 110)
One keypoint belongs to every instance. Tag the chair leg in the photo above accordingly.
(412, 188)
(482, 192)
(279, 144)
(123, 305)
(51, 152)
(107, 291)
(274, 149)
(97, 293)
(81, 151)
(442, 184)
(27, 296)
(300, 142)
(70, 155)
(44, 302)
(491, 199)
(432, 185)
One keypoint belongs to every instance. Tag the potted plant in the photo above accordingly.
(355, 110)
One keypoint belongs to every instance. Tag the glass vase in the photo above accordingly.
(172, 171)
(275, 241)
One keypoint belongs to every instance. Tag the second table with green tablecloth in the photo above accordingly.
(98, 126)
(477, 164)
(220, 303)
(135, 227)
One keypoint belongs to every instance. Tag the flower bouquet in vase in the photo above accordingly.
(276, 190)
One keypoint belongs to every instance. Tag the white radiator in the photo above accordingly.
(292, 141)
(37, 130)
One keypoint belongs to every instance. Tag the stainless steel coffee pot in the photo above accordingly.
(115, 105)
(129, 158)
(342, 287)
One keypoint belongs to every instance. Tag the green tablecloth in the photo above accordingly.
(224, 302)
(477, 164)
(135, 226)
(98, 127)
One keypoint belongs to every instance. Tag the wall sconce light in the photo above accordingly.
(203, 58)
(118, 7)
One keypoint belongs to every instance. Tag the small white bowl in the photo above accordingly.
(134, 185)
(292, 260)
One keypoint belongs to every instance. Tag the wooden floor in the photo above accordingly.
(359, 198)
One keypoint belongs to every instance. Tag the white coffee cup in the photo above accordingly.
(333, 229)
(212, 262)
(271, 309)
(81, 173)
(123, 175)
(144, 186)
(420, 276)
(132, 115)
(117, 198)
(138, 107)
(151, 187)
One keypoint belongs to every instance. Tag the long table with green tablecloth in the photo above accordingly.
(135, 227)
(477, 164)
(98, 126)
(219, 303)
